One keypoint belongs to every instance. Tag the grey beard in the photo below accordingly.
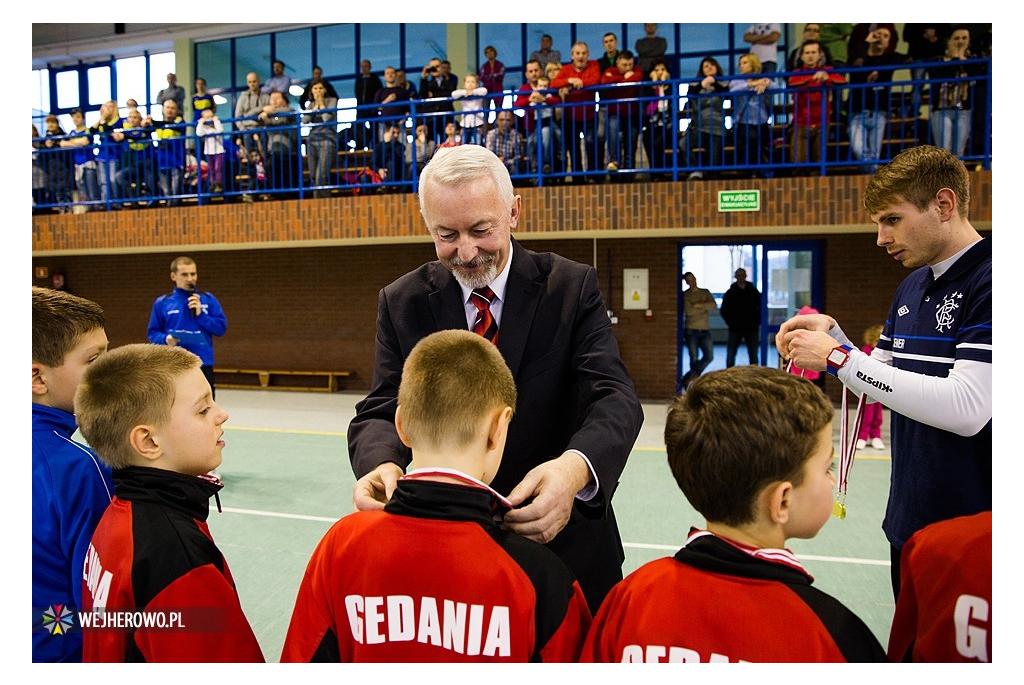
(479, 279)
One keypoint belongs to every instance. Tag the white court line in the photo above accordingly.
(633, 545)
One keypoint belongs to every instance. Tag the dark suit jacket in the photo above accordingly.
(574, 390)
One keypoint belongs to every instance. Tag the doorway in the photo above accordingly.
(787, 274)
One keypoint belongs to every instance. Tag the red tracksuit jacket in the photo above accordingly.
(434, 578)
(717, 601)
(152, 554)
(944, 612)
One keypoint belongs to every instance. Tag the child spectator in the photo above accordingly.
(944, 611)
(871, 422)
(211, 131)
(451, 135)
(451, 584)
(475, 118)
(148, 412)
(85, 161)
(138, 160)
(70, 487)
(170, 154)
(57, 165)
(751, 448)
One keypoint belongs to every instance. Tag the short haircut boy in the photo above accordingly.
(148, 411)
(59, 320)
(733, 433)
(430, 389)
(751, 448)
(446, 554)
(133, 387)
(71, 488)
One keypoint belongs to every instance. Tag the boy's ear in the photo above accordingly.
(778, 499)
(145, 442)
(498, 428)
(38, 380)
(402, 435)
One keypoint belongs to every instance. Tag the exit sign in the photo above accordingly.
(739, 200)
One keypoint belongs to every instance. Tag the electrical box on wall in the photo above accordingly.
(635, 288)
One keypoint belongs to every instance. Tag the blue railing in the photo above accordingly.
(625, 131)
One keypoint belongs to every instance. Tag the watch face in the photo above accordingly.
(836, 356)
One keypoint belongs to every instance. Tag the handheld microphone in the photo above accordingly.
(192, 291)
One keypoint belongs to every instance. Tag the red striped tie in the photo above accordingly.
(485, 324)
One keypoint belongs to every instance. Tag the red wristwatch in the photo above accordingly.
(837, 358)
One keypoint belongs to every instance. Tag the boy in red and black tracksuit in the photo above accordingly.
(155, 586)
(751, 448)
(944, 611)
(432, 576)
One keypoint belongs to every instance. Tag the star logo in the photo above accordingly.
(58, 619)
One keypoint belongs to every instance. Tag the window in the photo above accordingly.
(252, 53)
(98, 79)
(131, 82)
(213, 63)
(159, 66)
(68, 94)
(41, 91)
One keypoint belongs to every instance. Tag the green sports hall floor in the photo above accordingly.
(287, 479)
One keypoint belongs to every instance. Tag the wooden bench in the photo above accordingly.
(270, 379)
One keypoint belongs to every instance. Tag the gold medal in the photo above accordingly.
(839, 510)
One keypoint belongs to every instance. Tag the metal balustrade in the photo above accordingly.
(676, 136)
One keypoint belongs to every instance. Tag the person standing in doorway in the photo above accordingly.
(698, 303)
(741, 310)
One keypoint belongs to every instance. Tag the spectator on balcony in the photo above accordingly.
(659, 120)
(835, 40)
(492, 76)
(704, 142)
(318, 77)
(247, 111)
(278, 81)
(170, 152)
(951, 94)
(452, 136)
(80, 141)
(366, 86)
(389, 155)
(474, 119)
(437, 81)
(546, 55)
(56, 163)
(138, 174)
(200, 100)
(812, 106)
(859, 36)
(402, 81)
(211, 131)
(764, 42)
(812, 31)
(108, 157)
(538, 117)
(506, 143)
(391, 93)
(870, 97)
(605, 62)
(925, 43)
(322, 143)
(579, 78)
(752, 107)
(650, 48)
(281, 160)
(172, 92)
(623, 107)
(420, 152)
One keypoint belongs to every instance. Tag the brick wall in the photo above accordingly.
(299, 280)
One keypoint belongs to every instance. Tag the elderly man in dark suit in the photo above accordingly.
(578, 414)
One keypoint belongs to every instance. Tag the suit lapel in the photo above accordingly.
(522, 296)
(445, 299)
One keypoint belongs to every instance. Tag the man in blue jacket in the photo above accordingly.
(187, 317)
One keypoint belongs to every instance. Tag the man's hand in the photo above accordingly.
(553, 486)
(373, 490)
(809, 349)
(171, 340)
(807, 322)
(195, 304)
